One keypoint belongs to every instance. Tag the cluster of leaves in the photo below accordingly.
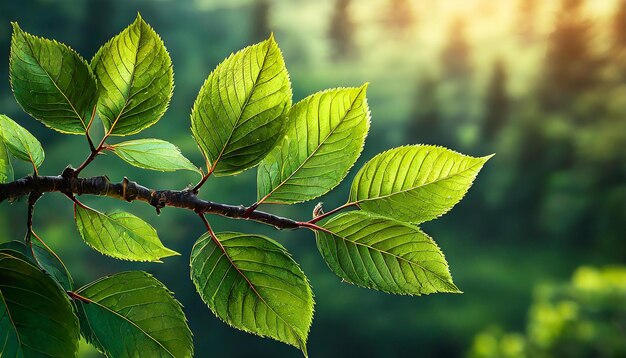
(243, 117)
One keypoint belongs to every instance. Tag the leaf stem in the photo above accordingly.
(75, 296)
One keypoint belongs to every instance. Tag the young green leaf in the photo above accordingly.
(414, 183)
(41, 257)
(135, 78)
(324, 137)
(241, 108)
(384, 254)
(51, 82)
(20, 142)
(6, 168)
(120, 235)
(253, 284)
(137, 304)
(153, 154)
(36, 317)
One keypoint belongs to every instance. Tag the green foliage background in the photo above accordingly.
(539, 83)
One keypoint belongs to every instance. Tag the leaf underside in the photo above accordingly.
(414, 183)
(51, 82)
(324, 137)
(36, 317)
(241, 108)
(120, 235)
(20, 142)
(254, 285)
(384, 254)
(132, 314)
(153, 154)
(135, 77)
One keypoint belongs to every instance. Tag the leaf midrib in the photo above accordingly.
(317, 148)
(224, 251)
(82, 121)
(453, 287)
(419, 186)
(17, 334)
(243, 107)
(125, 319)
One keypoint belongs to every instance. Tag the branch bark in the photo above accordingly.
(70, 184)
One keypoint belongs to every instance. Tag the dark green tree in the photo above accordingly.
(456, 55)
(571, 66)
(341, 32)
(497, 103)
(260, 28)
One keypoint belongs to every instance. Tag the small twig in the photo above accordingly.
(325, 215)
(32, 200)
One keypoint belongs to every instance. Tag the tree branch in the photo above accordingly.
(70, 184)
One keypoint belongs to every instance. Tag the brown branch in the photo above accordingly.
(70, 184)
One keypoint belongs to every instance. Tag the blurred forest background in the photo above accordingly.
(540, 83)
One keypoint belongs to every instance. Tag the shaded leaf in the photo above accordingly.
(51, 82)
(240, 110)
(253, 284)
(135, 78)
(132, 314)
(120, 235)
(153, 154)
(41, 257)
(384, 254)
(6, 168)
(36, 317)
(20, 142)
(414, 183)
(324, 137)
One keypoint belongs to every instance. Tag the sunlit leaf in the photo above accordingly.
(384, 254)
(51, 82)
(135, 78)
(20, 142)
(46, 260)
(414, 183)
(132, 314)
(241, 108)
(324, 137)
(253, 284)
(120, 235)
(6, 168)
(36, 317)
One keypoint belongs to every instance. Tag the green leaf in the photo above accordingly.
(252, 283)
(120, 235)
(6, 168)
(153, 154)
(384, 254)
(241, 108)
(51, 82)
(414, 183)
(324, 137)
(135, 77)
(20, 142)
(36, 317)
(132, 314)
(46, 260)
